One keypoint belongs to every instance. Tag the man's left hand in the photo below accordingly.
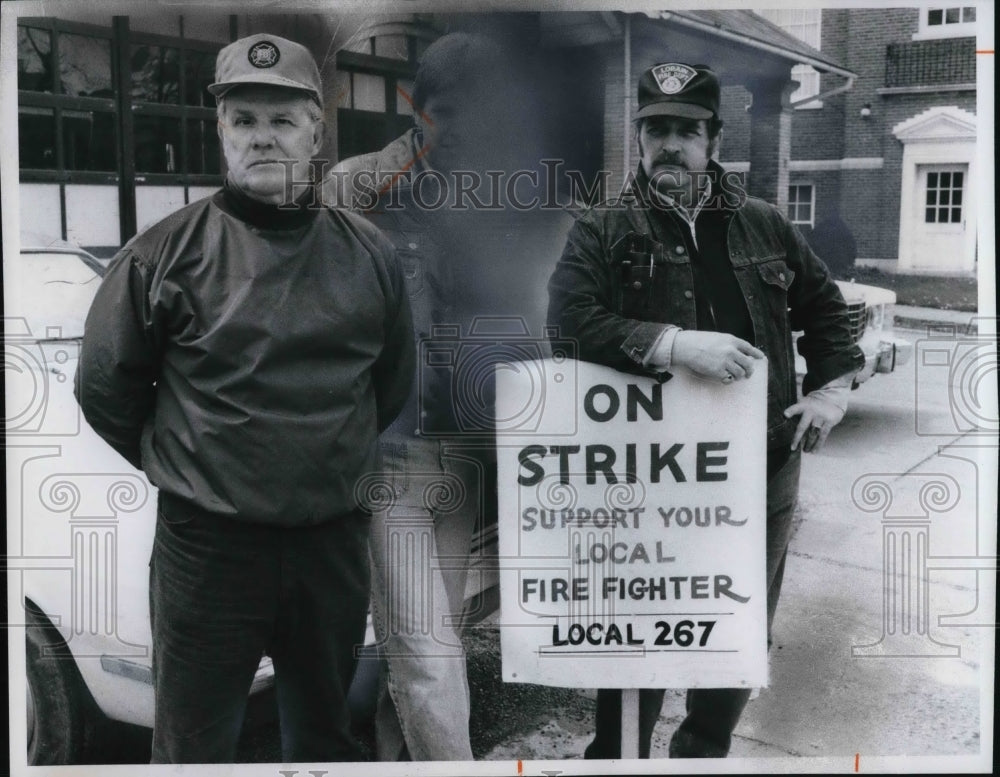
(818, 417)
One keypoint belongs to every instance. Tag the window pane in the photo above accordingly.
(945, 197)
(157, 23)
(942, 215)
(199, 72)
(931, 197)
(157, 144)
(935, 17)
(956, 215)
(36, 129)
(89, 140)
(34, 59)
(85, 66)
(393, 46)
(957, 180)
(342, 88)
(209, 26)
(951, 15)
(404, 95)
(945, 180)
(929, 215)
(359, 45)
(202, 147)
(969, 13)
(932, 180)
(956, 197)
(155, 74)
(369, 92)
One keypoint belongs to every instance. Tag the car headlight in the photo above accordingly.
(876, 318)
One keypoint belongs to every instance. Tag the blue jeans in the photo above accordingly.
(224, 592)
(420, 553)
(712, 713)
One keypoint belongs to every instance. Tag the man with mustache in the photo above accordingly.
(687, 270)
(244, 353)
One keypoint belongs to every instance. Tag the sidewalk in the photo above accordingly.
(924, 319)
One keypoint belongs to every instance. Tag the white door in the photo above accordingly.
(940, 222)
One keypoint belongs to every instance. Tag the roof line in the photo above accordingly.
(721, 32)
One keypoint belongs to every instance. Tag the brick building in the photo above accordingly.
(116, 129)
(895, 156)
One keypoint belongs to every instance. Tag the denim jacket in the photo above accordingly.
(616, 286)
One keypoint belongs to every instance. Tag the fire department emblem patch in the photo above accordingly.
(673, 77)
(264, 54)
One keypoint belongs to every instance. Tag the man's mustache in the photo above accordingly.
(671, 161)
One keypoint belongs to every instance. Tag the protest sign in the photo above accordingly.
(632, 528)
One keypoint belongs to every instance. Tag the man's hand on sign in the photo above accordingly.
(715, 355)
(819, 416)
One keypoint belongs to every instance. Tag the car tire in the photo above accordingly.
(62, 718)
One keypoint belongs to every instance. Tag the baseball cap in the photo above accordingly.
(267, 59)
(678, 89)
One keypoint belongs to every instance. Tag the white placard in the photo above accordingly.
(631, 528)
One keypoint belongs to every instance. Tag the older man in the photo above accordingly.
(689, 271)
(245, 352)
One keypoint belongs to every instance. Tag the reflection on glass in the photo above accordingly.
(342, 89)
(202, 147)
(404, 98)
(157, 144)
(155, 74)
(36, 130)
(392, 46)
(34, 59)
(89, 140)
(199, 72)
(85, 66)
(359, 45)
(369, 92)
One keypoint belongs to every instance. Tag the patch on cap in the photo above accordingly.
(673, 77)
(264, 54)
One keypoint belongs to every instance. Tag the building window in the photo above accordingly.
(106, 108)
(953, 21)
(801, 204)
(806, 25)
(67, 110)
(943, 204)
(374, 87)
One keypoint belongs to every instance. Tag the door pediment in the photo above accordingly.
(941, 123)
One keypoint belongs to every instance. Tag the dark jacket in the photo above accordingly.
(607, 298)
(245, 358)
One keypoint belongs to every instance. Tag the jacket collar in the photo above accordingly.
(264, 215)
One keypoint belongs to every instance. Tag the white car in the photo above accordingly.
(80, 521)
(869, 309)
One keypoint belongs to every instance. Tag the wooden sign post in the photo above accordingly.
(631, 529)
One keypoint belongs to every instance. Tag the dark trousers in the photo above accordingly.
(712, 713)
(224, 592)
